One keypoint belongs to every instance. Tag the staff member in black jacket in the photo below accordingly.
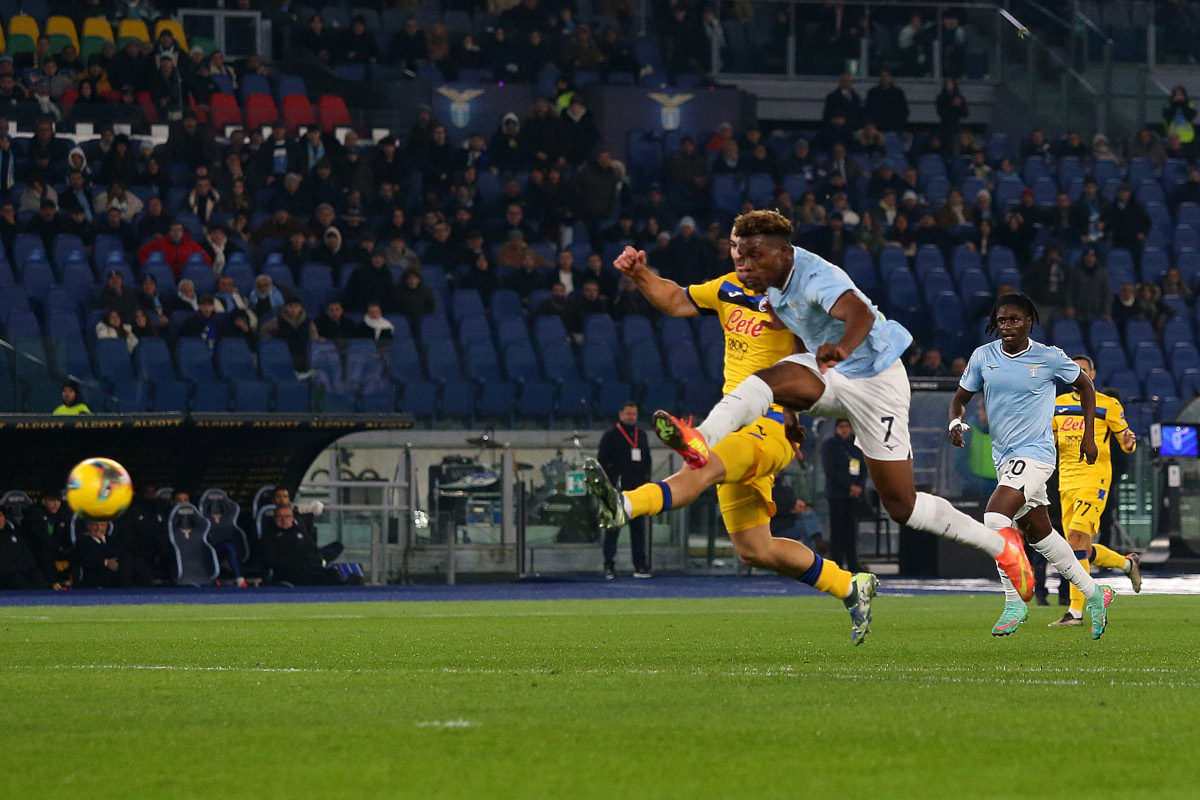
(844, 480)
(625, 455)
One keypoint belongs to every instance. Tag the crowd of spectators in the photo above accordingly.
(39, 549)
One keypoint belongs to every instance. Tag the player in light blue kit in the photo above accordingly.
(847, 365)
(1017, 376)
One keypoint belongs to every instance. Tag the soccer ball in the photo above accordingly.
(99, 489)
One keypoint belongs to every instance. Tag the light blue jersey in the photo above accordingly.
(1019, 392)
(803, 305)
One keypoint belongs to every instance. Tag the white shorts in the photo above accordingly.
(877, 407)
(1028, 477)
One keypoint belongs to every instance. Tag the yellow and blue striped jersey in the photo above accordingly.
(750, 345)
(1068, 434)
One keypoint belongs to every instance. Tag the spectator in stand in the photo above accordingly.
(217, 246)
(115, 297)
(281, 225)
(887, 105)
(580, 306)
(408, 47)
(932, 366)
(951, 107)
(265, 298)
(687, 176)
(334, 325)
(556, 304)
(1146, 144)
(844, 100)
(1125, 307)
(175, 247)
(229, 299)
(412, 297)
(46, 224)
(204, 323)
(1127, 222)
(149, 301)
(296, 330)
(1088, 293)
(528, 277)
(596, 191)
(1088, 212)
(1173, 285)
(508, 150)
(128, 204)
(185, 299)
(481, 276)
(1188, 191)
(167, 90)
(111, 327)
(1150, 306)
(358, 45)
(835, 131)
(1178, 114)
(582, 133)
(371, 282)
(375, 326)
(203, 200)
(1072, 145)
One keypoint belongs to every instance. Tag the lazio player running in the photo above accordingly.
(744, 465)
(851, 368)
(1084, 488)
(1016, 376)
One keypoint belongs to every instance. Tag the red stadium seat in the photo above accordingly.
(333, 111)
(200, 111)
(148, 107)
(225, 111)
(297, 110)
(68, 99)
(260, 110)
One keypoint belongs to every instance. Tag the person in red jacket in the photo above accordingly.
(176, 246)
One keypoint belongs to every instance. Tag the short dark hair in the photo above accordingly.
(1084, 357)
(1019, 299)
(763, 223)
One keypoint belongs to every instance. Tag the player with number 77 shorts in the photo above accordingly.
(1017, 377)
(851, 369)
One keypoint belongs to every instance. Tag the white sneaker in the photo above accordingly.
(643, 574)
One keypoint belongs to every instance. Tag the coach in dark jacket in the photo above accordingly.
(845, 477)
(289, 548)
(625, 455)
(106, 562)
(18, 567)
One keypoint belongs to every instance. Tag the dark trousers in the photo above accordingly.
(25, 579)
(843, 533)
(637, 543)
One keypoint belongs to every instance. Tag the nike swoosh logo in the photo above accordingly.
(989, 366)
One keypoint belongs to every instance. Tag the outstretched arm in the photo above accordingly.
(958, 407)
(667, 296)
(1087, 399)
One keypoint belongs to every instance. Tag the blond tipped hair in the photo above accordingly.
(763, 223)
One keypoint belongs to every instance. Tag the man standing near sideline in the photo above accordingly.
(844, 482)
(625, 456)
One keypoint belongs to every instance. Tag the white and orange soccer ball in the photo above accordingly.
(99, 489)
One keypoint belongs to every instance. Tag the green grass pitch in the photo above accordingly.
(743, 698)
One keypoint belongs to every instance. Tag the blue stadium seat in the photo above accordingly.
(458, 400)
(153, 361)
(251, 397)
(599, 365)
(171, 396)
(1126, 382)
(441, 360)
(482, 365)
(497, 401)
(128, 397)
(600, 329)
(274, 362)
(506, 304)
(1158, 383)
(465, 304)
(364, 366)
(1146, 357)
(195, 361)
(1109, 357)
(1138, 331)
(558, 363)
(521, 364)
(645, 363)
(403, 361)
(235, 362)
(212, 396)
(474, 329)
